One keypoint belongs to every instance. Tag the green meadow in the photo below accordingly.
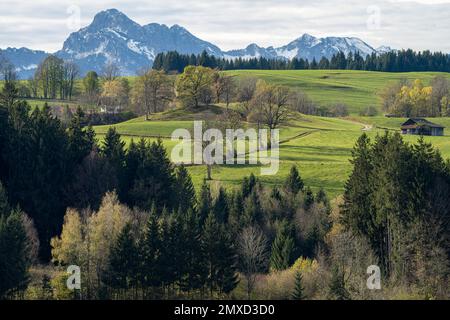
(357, 89)
(320, 147)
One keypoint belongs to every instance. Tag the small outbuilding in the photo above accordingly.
(421, 126)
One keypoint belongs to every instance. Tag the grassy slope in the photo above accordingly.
(358, 89)
(320, 147)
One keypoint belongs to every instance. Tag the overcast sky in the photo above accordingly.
(233, 24)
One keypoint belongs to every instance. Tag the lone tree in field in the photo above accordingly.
(152, 91)
(271, 104)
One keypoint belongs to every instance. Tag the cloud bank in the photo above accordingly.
(233, 24)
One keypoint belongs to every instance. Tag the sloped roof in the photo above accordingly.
(421, 122)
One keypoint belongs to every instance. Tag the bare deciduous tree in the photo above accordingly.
(253, 255)
(245, 92)
(272, 103)
(70, 72)
(152, 91)
(110, 71)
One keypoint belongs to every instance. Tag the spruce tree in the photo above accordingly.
(253, 212)
(299, 291)
(247, 185)
(282, 248)
(236, 211)
(195, 271)
(123, 268)
(113, 150)
(14, 254)
(211, 247)
(294, 183)
(337, 290)
(205, 202)
(227, 277)
(186, 198)
(150, 252)
(220, 207)
(308, 199)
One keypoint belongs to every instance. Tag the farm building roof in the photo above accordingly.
(419, 122)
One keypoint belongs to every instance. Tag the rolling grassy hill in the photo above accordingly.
(357, 89)
(320, 147)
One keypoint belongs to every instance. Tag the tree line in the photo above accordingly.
(414, 99)
(393, 61)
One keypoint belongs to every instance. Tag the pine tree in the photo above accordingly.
(298, 293)
(282, 248)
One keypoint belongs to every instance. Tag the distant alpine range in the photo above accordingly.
(113, 37)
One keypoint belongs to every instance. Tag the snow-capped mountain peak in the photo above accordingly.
(114, 37)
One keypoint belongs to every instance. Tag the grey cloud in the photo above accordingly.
(233, 24)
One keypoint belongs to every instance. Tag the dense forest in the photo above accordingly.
(137, 228)
(393, 61)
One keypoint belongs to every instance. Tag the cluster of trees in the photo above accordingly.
(197, 249)
(54, 78)
(394, 61)
(258, 101)
(18, 247)
(397, 198)
(406, 99)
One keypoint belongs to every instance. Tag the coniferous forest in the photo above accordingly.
(392, 61)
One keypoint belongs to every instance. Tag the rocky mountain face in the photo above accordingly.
(306, 47)
(25, 60)
(112, 37)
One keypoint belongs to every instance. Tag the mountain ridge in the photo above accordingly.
(112, 37)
